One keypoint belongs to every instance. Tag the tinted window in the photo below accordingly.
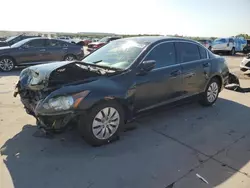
(163, 54)
(57, 43)
(203, 53)
(35, 43)
(187, 52)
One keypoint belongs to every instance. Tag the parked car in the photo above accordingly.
(247, 47)
(14, 39)
(67, 39)
(207, 43)
(95, 45)
(84, 42)
(229, 45)
(38, 50)
(245, 63)
(116, 82)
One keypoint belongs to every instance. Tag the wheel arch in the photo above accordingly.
(9, 56)
(217, 76)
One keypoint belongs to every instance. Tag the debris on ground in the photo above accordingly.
(202, 179)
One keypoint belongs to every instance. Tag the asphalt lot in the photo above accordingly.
(170, 147)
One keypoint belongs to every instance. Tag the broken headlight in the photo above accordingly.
(59, 103)
(65, 102)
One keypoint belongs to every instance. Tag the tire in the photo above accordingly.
(6, 64)
(97, 131)
(209, 97)
(243, 69)
(69, 57)
(232, 52)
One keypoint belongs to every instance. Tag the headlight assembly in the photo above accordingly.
(65, 102)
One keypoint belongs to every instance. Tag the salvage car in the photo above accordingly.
(14, 39)
(95, 45)
(245, 63)
(110, 86)
(38, 50)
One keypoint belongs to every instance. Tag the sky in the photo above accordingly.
(203, 18)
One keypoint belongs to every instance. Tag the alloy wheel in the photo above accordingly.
(106, 123)
(69, 58)
(6, 64)
(212, 92)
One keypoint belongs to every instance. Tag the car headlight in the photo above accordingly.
(65, 102)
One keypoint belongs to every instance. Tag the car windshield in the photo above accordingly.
(10, 38)
(105, 39)
(222, 40)
(20, 43)
(117, 54)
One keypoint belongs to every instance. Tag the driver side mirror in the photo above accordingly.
(146, 66)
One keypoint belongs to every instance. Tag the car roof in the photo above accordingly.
(154, 39)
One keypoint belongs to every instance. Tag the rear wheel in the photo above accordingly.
(69, 57)
(102, 123)
(6, 64)
(209, 97)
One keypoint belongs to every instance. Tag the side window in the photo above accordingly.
(38, 43)
(231, 40)
(163, 54)
(203, 53)
(187, 52)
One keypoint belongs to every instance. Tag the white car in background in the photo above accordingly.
(245, 63)
(67, 39)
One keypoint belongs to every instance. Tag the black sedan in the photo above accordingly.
(112, 85)
(38, 50)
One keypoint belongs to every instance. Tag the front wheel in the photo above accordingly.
(102, 123)
(232, 51)
(6, 64)
(209, 97)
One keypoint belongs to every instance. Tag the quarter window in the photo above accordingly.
(163, 54)
(187, 52)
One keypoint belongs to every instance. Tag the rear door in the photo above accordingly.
(195, 65)
(55, 50)
(163, 82)
(32, 52)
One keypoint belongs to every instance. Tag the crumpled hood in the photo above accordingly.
(36, 77)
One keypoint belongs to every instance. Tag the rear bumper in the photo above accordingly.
(91, 49)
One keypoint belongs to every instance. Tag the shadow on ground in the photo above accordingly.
(167, 145)
(15, 72)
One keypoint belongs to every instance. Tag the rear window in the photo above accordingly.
(187, 52)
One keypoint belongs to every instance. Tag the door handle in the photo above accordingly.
(189, 75)
(175, 73)
(42, 50)
(206, 64)
(65, 48)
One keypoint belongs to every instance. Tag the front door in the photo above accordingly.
(163, 82)
(195, 66)
(32, 52)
